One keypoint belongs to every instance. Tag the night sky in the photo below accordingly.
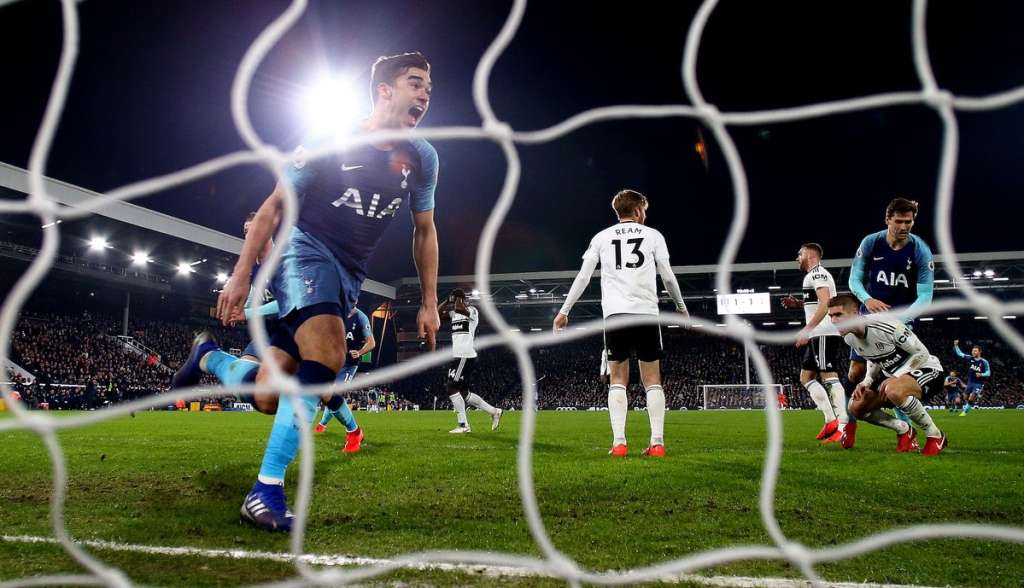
(151, 95)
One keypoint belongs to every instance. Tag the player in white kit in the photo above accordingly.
(901, 373)
(464, 320)
(631, 255)
(821, 360)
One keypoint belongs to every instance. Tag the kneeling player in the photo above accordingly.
(901, 373)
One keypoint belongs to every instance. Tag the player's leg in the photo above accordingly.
(812, 365)
(649, 351)
(907, 393)
(650, 375)
(618, 404)
(337, 407)
(618, 349)
(868, 407)
(285, 354)
(474, 399)
(455, 389)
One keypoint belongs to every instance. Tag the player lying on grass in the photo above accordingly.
(901, 373)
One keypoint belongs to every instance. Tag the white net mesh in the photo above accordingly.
(741, 396)
(554, 562)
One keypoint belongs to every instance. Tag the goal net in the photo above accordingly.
(740, 396)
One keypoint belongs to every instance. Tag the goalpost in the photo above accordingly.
(741, 396)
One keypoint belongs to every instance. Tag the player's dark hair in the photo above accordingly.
(813, 247)
(843, 300)
(978, 347)
(900, 206)
(387, 68)
(458, 293)
(626, 202)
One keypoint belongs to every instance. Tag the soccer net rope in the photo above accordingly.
(553, 562)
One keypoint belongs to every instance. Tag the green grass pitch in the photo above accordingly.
(177, 479)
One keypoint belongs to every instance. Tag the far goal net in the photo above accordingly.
(743, 396)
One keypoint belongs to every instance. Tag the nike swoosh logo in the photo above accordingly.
(874, 258)
(350, 167)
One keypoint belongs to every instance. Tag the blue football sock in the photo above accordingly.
(345, 417)
(229, 369)
(283, 445)
(327, 416)
(902, 416)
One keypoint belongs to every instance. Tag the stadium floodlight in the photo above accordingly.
(535, 330)
(774, 287)
(140, 258)
(533, 290)
(1000, 279)
(977, 273)
(97, 243)
(989, 273)
(941, 281)
(475, 292)
(185, 268)
(926, 318)
(222, 277)
(332, 104)
(521, 296)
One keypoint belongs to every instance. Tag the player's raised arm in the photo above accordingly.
(232, 298)
(956, 349)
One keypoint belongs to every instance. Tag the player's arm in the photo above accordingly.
(425, 254)
(925, 276)
(874, 375)
(822, 311)
(988, 370)
(668, 277)
(956, 349)
(461, 308)
(858, 272)
(232, 298)
(371, 343)
(267, 309)
(578, 286)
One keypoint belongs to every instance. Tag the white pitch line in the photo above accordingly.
(487, 570)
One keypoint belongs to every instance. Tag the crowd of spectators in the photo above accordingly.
(79, 363)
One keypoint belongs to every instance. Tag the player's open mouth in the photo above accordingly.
(416, 111)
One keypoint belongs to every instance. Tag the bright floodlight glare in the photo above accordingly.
(184, 268)
(977, 274)
(989, 273)
(331, 105)
(475, 292)
(140, 258)
(222, 277)
(97, 243)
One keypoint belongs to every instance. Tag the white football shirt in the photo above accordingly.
(627, 252)
(817, 277)
(463, 331)
(891, 349)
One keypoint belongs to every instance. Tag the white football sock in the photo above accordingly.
(480, 403)
(884, 419)
(913, 408)
(838, 397)
(656, 412)
(617, 411)
(460, 407)
(821, 399)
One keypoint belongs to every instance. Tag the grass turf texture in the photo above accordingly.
(177, 479)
